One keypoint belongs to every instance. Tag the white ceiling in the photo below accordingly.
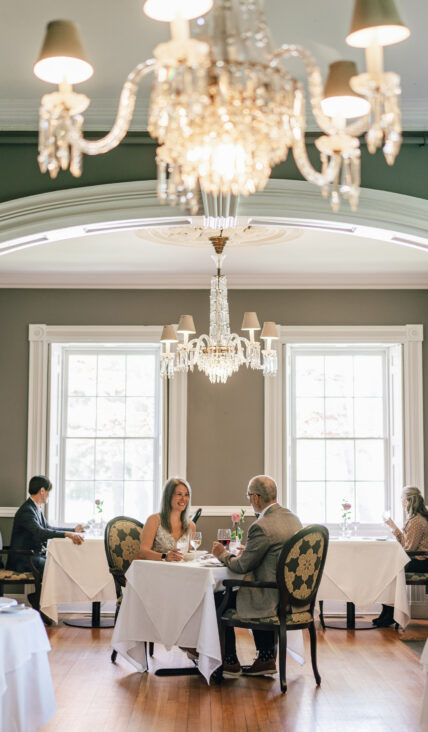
(117, 36)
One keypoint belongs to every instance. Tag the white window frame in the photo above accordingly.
(174, 418)
(409, 336)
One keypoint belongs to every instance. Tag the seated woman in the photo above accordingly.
(163, 531)
(413, 537)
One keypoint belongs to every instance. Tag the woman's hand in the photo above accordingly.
(389, 522)
(174, 555)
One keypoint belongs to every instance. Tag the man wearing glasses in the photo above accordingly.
(266, 537)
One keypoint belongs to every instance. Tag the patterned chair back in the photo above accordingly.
(300, 567)
(122, 538)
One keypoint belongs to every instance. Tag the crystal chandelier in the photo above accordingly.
(221, 353)
(224, 108)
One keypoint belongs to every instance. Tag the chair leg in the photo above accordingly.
(113, 656)
(151, 649)
(322, 621)
(313, 637)
(282, 656)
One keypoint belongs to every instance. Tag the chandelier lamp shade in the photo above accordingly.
(220, 353)
(224, 108)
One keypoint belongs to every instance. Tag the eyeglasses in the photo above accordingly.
(252, 494)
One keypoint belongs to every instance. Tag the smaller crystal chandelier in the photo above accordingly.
(220, 353)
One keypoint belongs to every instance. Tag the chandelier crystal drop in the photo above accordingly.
(221, 353)
(223, 106)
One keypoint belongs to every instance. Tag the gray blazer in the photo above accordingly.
(266, 538)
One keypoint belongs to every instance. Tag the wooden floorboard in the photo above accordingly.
(371, 682)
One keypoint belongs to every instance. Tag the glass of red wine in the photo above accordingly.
(224, 536)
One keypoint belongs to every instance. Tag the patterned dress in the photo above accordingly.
(164, 541)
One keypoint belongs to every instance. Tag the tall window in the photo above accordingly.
(105, 430)
(344, 441)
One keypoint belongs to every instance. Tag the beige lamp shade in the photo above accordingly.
(62, 58)
(339, 99)
(186, 324)
(250, 322)
(169, 10)
(376, 20)
(269, 330)
(168, 334)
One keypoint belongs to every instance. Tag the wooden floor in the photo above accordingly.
(371, 682)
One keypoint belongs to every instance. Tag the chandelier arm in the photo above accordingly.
(316, 90)
(305, 166)
(124, 114)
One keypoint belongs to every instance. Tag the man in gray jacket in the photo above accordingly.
(266, 537)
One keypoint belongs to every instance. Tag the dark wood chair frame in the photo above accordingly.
(412, 578)
(286, 600)
(36, 580)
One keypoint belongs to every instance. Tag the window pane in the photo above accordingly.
(79, 501)
(139, 459)
(309, 417)
(368, 375)
(79, 459)
(340, 460)
(111, 492)
(309, 376)
(140, 417)
(138, 499)
(339, 376)
(339, 418)
(111, 375)
(369, 417)
(140, 375)
(336, 494)
(111, 417)
(311, 502)
(81, 416)
(310, 461)
(370, 502)
(109, 459)
(82, 375)
(369, 460)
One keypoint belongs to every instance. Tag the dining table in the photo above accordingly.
(27, 699)
(361, 572)
(76, 573)
(173, 604)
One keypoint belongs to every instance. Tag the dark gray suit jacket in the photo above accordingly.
(266, 538)
(30, 531)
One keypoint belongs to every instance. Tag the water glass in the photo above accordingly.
(386, 515)
(183, 543)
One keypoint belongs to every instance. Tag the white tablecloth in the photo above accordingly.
(173, 604)
(75, 573)
(365, 572)
(27, 700)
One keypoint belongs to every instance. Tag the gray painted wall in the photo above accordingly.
(225, 422)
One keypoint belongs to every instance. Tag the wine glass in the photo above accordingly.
(386, 515)
(196, 539)
(224, 536)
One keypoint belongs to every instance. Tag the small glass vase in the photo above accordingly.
(346, 529)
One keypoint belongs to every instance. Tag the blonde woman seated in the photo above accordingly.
(166, 534)
(413, 538)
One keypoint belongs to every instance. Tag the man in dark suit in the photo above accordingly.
(266, 537)
(32, 531)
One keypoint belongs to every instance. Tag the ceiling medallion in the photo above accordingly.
(240, 236)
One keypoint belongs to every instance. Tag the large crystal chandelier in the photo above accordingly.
(221, 353)
(224, 108)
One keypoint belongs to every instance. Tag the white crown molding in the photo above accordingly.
(66, 214)
(23, 115)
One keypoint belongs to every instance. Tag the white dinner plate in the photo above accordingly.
(6, 602)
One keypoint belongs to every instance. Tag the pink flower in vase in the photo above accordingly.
(236, 517)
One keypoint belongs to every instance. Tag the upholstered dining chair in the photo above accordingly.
(122, 538)
(30, 577)
(417, 578)
(196, 515)
(299, 571)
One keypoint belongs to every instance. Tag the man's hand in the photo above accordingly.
(218, 549)
(75, 538)
(79, 528)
